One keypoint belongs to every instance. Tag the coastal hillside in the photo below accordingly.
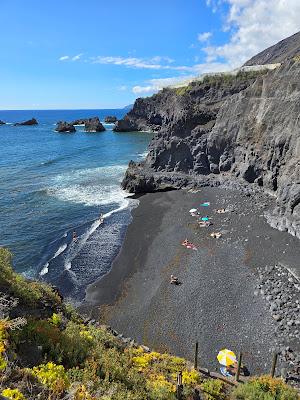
(232, 130)
(279, 52)
(47, 351)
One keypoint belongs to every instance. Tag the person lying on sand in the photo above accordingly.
(231, 370)
(204, 224)
(174, 280)
(221, 211)
(216, 235)
(188, 245)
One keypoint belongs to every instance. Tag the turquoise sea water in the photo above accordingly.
(52, 184)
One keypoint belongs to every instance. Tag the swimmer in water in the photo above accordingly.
(101, 219)
(75, 237)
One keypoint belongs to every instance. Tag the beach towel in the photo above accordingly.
(204, 218)
(206, 204)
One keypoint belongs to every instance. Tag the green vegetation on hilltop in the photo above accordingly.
(220, 79)
(47, 352)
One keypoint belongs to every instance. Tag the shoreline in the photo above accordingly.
(135, 296)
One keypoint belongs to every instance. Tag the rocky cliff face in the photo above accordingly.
(280, 52)
(226, 130)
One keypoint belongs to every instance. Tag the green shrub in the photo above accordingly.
(29, 292)
(213, 389)
(264, 388)
(13, 394)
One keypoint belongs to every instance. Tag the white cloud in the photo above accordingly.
(64, 58)
(203, 37)
(77, 57)
(155, 63)
(123, 88)
(253, 25)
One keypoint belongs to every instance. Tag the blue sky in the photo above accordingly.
(104, 54)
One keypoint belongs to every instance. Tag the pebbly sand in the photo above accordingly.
(216, 303)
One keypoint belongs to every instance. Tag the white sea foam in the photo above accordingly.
(60, 250)
(91, 187)
(68, 265)
(45, 269)
(143, 155)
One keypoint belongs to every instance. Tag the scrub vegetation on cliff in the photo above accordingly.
(48, 351)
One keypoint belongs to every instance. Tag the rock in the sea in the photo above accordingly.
(2, 122)
(63, 126)
(81, 121)
(93, 125)
(125, 125)
(31, 121)
(110, 119)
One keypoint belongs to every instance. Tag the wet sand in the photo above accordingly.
(215, 304)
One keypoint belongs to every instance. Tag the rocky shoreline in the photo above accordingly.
(280, 287)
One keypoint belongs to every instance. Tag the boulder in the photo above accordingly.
(94, 125)
(125, 125)
(81, 121)
(110, 119)
(63, 126)
(29, 122)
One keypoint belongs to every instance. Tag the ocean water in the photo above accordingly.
(53, 184)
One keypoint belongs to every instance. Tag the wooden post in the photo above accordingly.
(179, 387)
(196, 356)
(238, 370)
(274, 362)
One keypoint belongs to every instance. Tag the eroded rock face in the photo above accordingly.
(63, 126)
(125, 125)
(243, 129)
(31, 121)
(110, 119)
(93, 125)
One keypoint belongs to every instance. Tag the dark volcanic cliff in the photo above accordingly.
(280, 52)
(244, 127)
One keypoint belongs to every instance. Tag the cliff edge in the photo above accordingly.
(232, 130)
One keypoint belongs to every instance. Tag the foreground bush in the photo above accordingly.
(48, 352)
(265, 388)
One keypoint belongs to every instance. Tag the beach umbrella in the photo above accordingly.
(226, 357)
(192, 210)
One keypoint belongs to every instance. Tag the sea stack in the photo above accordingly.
(94, 125)
(29, 122)
(110, 119)
(63, 126)
(125, 125)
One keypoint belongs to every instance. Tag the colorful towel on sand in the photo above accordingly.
(204, 218)
(206, 204)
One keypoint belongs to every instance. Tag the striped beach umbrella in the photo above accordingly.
(226, 357)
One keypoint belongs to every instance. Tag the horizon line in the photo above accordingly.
(62, 109)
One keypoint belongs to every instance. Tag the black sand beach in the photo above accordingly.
(216, 302)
